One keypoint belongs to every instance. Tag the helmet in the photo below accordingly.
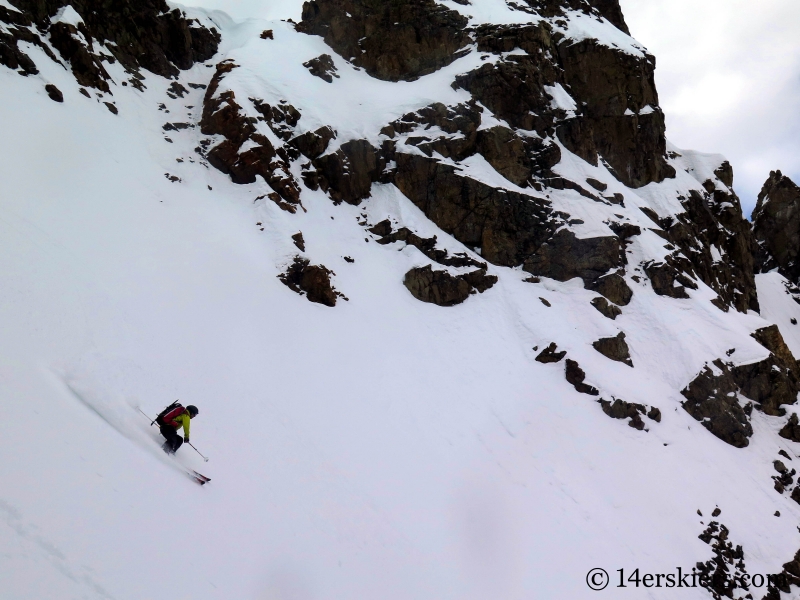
(192, 410)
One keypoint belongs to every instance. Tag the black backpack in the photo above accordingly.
(160, 418)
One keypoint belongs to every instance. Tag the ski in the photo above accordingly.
(198, 477)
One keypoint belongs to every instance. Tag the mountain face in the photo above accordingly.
(776, 225)
(490, 329)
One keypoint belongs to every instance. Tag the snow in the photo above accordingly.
(778, 307)
(356, 105)
(6, 4)
(700, 165)
(579, 27)
(67, 15)
(561, 99)
(384, 448)
(497, 12)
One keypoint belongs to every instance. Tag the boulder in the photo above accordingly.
(322, 67)
(312, 281)
(614, 348)
(620, 409)
(550, 355)
(612, 311)
(444, 289)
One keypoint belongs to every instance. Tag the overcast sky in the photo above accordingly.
(728, 77)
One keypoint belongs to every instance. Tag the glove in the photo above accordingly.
(186, 439)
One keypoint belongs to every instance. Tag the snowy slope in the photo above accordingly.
(384, 448)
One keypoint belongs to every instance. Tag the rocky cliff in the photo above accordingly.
(419, 169)
(86, 34)
(776, 226)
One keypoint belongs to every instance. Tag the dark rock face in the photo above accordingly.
(313, 143)
(394, 40)
(611, 10)
(564, 256)
(771, 383)
(791, 431)
(610, 83)
(444, 289)
(436, 287)
(222, 115)
(711, 399)
(425, 245)
(613, 287)
(514, 89)
(774, 381)
(550, 354)
(668, 280)
(461, 119)
(138, 33)
(507, 226)
(784, 479)
(711, 219)
(776, 226)
(348, 173)
(313, 281)
(614, 348)
(607, 309)
(618, 116)
(575, 376)
(507, 153)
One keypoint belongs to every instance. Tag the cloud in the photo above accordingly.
(728, 76)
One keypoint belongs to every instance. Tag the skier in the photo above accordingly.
(170, 420)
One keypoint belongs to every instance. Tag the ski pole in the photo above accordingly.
(145, 414)
(205, 458)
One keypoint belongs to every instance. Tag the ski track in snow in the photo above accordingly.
(384, 448)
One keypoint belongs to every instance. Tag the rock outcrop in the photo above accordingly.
(712, 397)
(611, 311)
(776, 226)
(791, 431)
(614, 348)
(616, 114)
(506, 226)
(576, 376)
(619, 409)
(322, 67)
(714, 244)
(140, 34)
(245, 152)
(443, 288)
(425, 245)
(311, 281)
(551, 354)
(401, 39)
(564, 256)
